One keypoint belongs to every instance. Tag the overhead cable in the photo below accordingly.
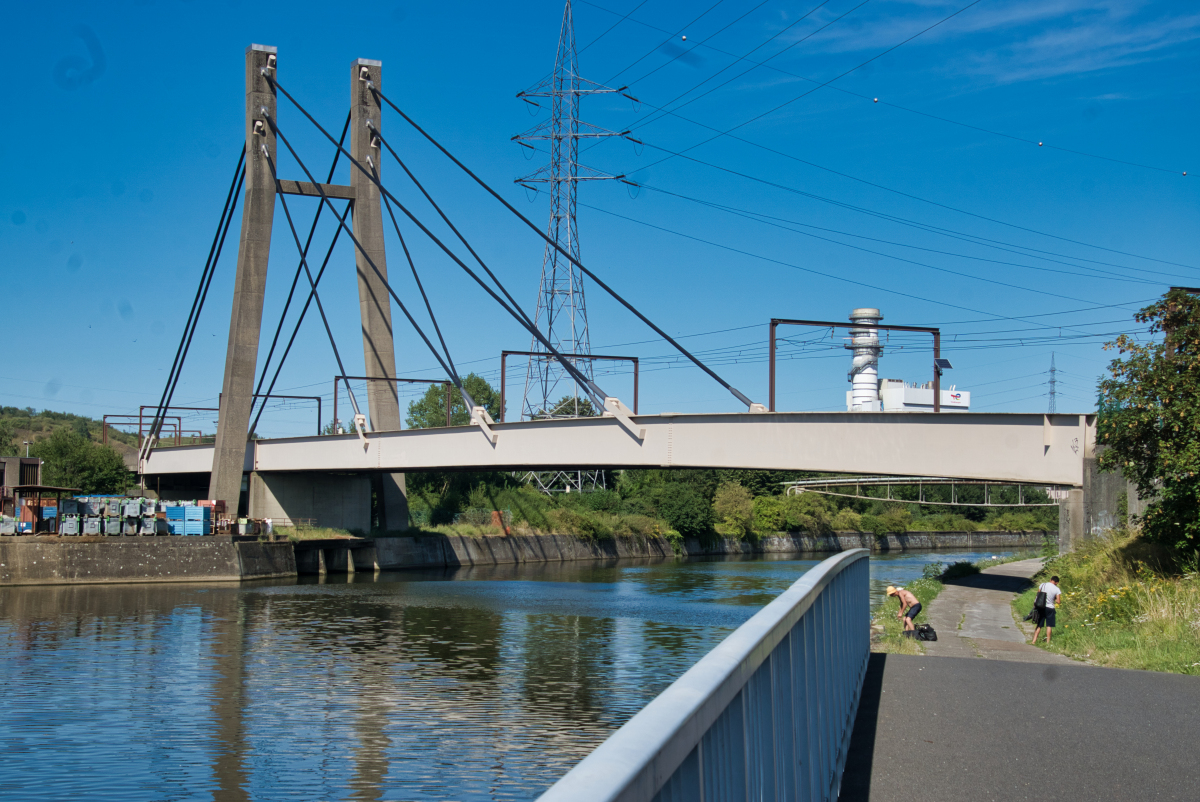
(736, 393)
(882, 102)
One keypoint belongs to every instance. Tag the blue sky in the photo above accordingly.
(935, 203)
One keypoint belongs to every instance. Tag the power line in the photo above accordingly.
(1037, 143)
(728, 132)
(804, 269)
(777, 222)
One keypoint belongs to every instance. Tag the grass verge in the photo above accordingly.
(1126, 604)
(887, 630)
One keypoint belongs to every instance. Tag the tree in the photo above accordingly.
(8, 438)
(429, 411)
(733, 505)
(683, 507)
(72, 460)
(570, 406)
(1149, 418)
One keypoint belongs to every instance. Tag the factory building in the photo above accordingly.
(869, 393)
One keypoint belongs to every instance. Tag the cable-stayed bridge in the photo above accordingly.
(1034, 449)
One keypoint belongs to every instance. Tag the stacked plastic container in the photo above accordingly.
(189, 520)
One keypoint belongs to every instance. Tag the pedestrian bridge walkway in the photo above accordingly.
(1002, 447)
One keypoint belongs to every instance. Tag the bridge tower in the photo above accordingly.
(241, 360)
(561, 306)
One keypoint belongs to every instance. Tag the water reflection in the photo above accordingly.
(472, 683)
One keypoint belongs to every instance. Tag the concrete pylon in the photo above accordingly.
(254, 248)
(374, 302)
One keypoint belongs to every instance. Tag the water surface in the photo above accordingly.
(466, 684)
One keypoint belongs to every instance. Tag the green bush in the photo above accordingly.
(684, 508)
(574, 522)
(891, 521)
(733, 507)
(846, 520)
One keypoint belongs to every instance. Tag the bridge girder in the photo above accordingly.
(1027, 448)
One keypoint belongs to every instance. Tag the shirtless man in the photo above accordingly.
(909, 606)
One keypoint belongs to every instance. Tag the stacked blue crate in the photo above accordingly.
(196, 520)
(175, 519)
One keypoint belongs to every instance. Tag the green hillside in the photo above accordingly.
(18, 425)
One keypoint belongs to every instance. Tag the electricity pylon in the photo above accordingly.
(561, 313)
(1053, 383)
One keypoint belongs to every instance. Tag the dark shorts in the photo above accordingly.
(912, 611)
(1047, 618)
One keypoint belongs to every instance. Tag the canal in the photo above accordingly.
(463, 684)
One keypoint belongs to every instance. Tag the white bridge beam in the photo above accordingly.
(1047, 449)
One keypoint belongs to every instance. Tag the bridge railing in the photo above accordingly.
(766, 715)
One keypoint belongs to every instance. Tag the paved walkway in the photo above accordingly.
(973, 617)
(1024, 724)
(946, 729)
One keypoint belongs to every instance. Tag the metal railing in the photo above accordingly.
(766, 715)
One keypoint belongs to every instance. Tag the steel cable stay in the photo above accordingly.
(457, 233)
(618, 411)
(477, 413)
(206, 277)
(295, 280)
(312, 283)
(420, 286)
(734, 391)
(303, 312)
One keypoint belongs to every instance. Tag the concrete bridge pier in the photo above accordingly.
(1104, 501)
(332, 500)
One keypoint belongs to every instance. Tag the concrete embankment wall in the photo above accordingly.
(451, 550)
(88, 560)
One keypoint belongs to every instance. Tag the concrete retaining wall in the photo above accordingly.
(445, 550)
(84, 560)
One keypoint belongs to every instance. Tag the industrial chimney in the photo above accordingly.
(864, 371)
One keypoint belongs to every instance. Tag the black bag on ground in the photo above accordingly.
(926, 632)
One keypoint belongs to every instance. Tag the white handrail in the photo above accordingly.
(772, 706)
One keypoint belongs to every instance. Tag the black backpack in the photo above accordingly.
(926, 632)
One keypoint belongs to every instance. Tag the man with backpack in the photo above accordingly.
(1043, 604)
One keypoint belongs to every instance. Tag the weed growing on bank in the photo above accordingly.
(1126, 603)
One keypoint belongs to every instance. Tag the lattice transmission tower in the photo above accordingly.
(1053, 383)
(561, 314)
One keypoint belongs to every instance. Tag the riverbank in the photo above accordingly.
(972, 614)
(29, 560)
(1126, 604)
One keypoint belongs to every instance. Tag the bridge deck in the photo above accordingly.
(1017, 447)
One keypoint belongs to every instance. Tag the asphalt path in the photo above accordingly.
(949, 729)
(973, 617)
